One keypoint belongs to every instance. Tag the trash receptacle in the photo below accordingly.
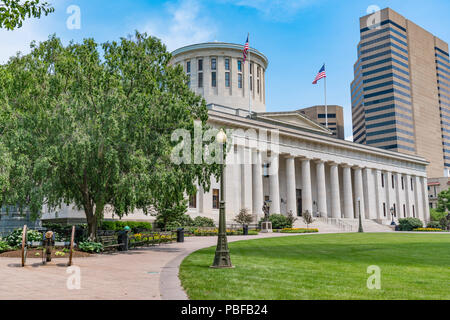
(245, 230)
(180, 235)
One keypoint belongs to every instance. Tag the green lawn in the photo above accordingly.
(309, 267)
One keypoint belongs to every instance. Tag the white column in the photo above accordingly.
(335, 196)
(359, 193)
(321, 189)
(408, 196)
(418, 192)
(247, 186)
(307, 202)
(258, 190)
(390, 199)
(425, 196)
(200, 205)
(291, 187)
(398, 194)
(348, 193)
(238, 180)
(274, 188)
(230, 190)
(370, 197)
(379, 195)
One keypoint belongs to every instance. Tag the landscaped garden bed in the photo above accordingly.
(429, 230)
(297, 230)
(37, 253)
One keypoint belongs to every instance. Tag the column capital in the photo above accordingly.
(333, 163)
(357, 168)
(346, 165)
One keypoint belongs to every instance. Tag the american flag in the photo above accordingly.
(246, 47)
(320, 75)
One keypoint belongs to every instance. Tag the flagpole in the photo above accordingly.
(249, 79)
(326, 106)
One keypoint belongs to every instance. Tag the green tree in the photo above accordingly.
(444, 201)
(14, 12)
(244, 217)
(91, 125)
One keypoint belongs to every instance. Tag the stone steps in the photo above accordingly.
(344, 225)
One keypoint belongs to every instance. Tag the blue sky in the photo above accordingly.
(297, 36)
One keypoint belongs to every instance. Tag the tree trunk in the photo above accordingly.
(92, 226)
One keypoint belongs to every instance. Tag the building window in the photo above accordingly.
(188, 67)
(393, 182)
(404, 210)
(258, 88)
(227, 64)
(251, 83)
(403, 184)
(215, 198)
(213, 64)
(266, 198)
(395, 210)
(259, 72)
(412, 185)
(240, 80)
(414, 211)
(239, 65)
(200, 80)
(384, 208)
(193, 201)
(213, 79)
(227, 79)
(251, 68)
(382, 180)
(200, 65)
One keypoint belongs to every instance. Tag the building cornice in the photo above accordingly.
(220, 45)
(228, 119)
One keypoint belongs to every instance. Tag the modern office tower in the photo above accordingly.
(335, 118)
(401, 90)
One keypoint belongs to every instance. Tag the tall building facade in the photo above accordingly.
(401, 91)
(335, 118)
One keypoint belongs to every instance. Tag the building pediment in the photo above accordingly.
(295, 119)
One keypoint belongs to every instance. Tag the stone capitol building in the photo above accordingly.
(305, 168)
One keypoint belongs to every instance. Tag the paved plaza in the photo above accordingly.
(142, 274)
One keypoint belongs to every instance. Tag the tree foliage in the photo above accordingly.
(244, 217)
(91, 125)
(14, 12)
(444, 201)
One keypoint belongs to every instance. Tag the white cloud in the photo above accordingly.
(20, 39)
(187, 25)
(274, 9)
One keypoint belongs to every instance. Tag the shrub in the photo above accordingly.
(4, 246)
(437, 215)
(135, 226)
(203, 222)
(244, 217)
(299, 230)
(91, 247)
(14, 239)
(434, 225)
(181, 221)
(278, 221)
(409, 224)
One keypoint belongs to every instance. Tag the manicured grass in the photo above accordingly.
(310, 267)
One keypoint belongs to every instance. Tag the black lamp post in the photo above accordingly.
(360, 230)
(222, 257)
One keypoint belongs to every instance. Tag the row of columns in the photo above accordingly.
(361, 188)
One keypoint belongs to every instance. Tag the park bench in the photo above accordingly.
(109, 242)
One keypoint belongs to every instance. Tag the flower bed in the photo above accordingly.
(297, 230)
(428, 230)
(215, 232)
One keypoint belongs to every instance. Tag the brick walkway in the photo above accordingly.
(147, 273)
